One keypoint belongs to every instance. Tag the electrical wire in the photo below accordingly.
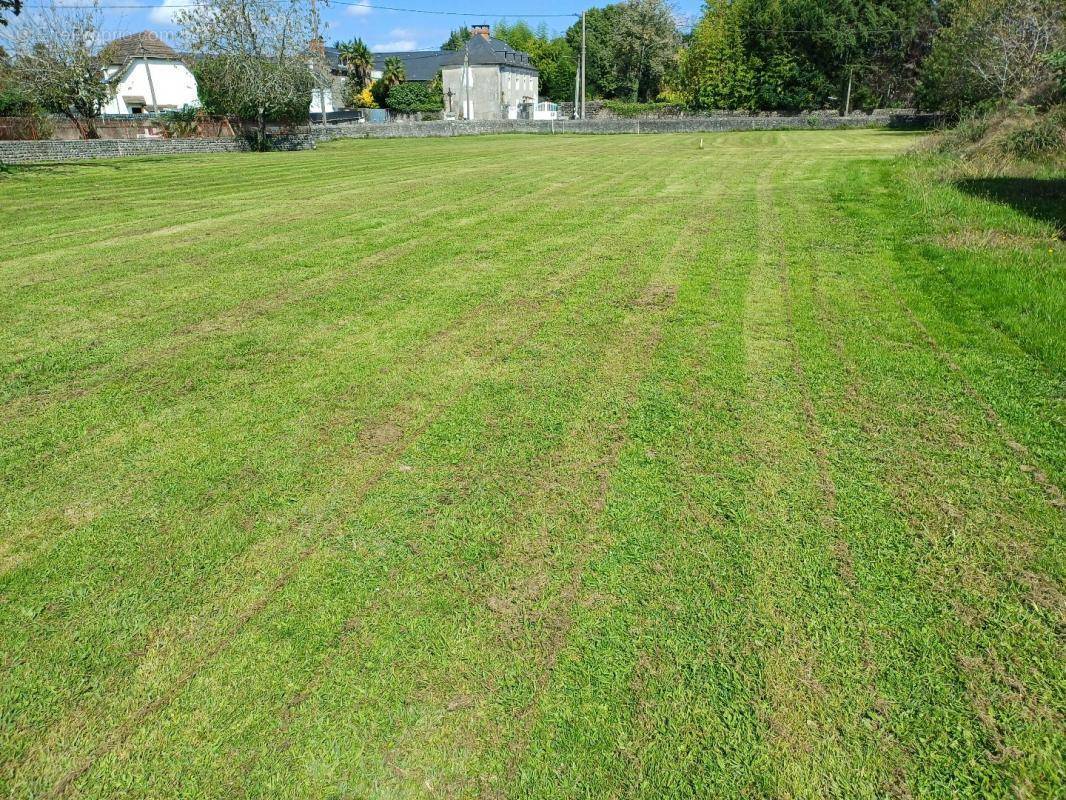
(357, 3)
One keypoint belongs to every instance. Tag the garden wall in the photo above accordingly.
(27, 152)
(618, 125)
(51, 150)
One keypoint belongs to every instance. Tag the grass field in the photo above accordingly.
(535, 468)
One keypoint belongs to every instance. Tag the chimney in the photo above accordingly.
(480, 30)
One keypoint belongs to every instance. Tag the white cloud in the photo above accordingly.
(164, 14)
(399, 46)
(360, 9)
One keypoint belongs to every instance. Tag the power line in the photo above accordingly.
(372, 7)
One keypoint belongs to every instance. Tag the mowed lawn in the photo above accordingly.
(531, 467)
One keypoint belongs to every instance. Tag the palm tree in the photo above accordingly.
(395, 72)
(359, 61)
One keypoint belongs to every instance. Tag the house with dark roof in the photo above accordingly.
(487, 79)
(149, 75)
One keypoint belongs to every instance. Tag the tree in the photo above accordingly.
(993, 51)
(553, 57)
(395, 71)
(793, 54)
(457, 39)
(59, 64)
(359, 61)
(645, 42)
(258, 62)
(601, 73)
(629, 48)
(14, 6)
(393, 74)
(263, 89)
(714, 71)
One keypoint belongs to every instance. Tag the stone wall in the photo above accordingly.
(599, 109)
(617, 125)
(50, 150)
(28, 152)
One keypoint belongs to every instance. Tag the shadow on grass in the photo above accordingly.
(1043, 199)
(62, 166)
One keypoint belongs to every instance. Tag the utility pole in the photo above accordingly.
(847, 101)
(467, 111)
(582, 65)
(319, 49)
(577, 91)
(148, 72)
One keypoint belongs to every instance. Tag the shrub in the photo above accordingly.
(626, 108)
(14, 102)
(970, 130)
(181, 122)
(1057, 62)
(1043, 139)
(1006, 135)
(379, 91)
(364, 99)
(413, 98)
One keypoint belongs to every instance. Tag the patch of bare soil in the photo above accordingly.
(657, 296)
(1045, 594)
(382, 435)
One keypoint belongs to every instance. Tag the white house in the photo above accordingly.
(486, 79)
(151, 76)
(489, 79)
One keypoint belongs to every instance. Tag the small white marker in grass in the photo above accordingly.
(701, 144)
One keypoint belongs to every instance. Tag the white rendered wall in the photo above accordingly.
(174, 86)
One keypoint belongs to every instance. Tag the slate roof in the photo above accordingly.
(423, 65)
(139, 45)
(495, 51)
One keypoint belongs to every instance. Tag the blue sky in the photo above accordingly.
(385, 29)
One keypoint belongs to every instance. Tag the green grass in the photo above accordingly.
(531, 467)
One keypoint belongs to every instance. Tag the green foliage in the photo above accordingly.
(1056, 62)
(182, 122)
(552, 56)
(457, 39)
(993, 51)
(799, 54)
(359, 62)
(970, 130)
(1044, 138)
(601, 65)
(411, 97)
(1006, 135)
(394, 74)
(395, 71)
(15, 101)
(627, 108)
(645, 44)
(379, 92)
(268, 90)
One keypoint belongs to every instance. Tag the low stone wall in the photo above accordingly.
(600, 109)
(50, 150)
(616, 125)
